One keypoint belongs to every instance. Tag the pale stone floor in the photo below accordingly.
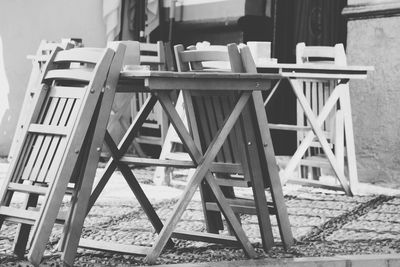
(324, 223)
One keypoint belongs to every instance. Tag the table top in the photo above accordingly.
(206, 80)
(313, 70)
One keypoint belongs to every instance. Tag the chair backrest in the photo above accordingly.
(39, 60)
(71, 83)
(321, 54)
(194, 59)
(206, 113)
(318, 91)
(153, 54)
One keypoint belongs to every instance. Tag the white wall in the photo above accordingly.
(23, 24)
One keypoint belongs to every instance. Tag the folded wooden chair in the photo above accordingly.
(62, 135)
(153, 55)
(244, 165)
(172, 147)
(38, 62)
(154, 129)
(317, 92)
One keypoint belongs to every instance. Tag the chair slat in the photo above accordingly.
(200, 56)
(70, 74)
(46, 117)
(24, 188)
(48, 129)
(56, 160)
(18, 215)
(52, 150)
(82, 55)
(67, 92)
(319, 51)
(150, 60)
(219, 116)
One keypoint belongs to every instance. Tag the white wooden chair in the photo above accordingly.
(314, 163)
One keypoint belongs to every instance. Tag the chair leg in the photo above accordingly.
(23, 230)
(213, 219)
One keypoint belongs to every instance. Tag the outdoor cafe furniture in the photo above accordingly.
(198, 83)
(247, 88)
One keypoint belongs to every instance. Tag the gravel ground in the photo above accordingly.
(324, 223)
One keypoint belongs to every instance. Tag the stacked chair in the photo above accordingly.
(124, 109)
(50, 159)
(206, 115)
(38, 62)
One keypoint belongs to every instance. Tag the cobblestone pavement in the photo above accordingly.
(324, 223)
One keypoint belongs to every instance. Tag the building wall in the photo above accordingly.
(374, 39)
(23, 24)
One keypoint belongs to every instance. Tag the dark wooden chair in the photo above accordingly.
(242, 154)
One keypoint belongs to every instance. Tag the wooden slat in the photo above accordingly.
(198, 55)
(219, 116)
(53, 147)
(288, 127)
(212, 123)
(45, 116)
(152, 140)
(324, 76)
(70, 74)
(150, 59)
(316, 184)
(67, 92)
(316, 161)
(151, 47)
(24, 188)
(48, 129)
(84, 55)
(16, 215)
(203, 128)
(319, 51)
(232, 182)
(48, 139)
(206, 237)
(245, 209)
(55, 161)
(113, 247)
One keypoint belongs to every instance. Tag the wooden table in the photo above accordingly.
(161, 84)
(249, 86)
(296, 73)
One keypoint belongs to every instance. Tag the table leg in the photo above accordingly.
(272, 169)
(201, 171)
(316, 126)
(122, 147)
(348, 125)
